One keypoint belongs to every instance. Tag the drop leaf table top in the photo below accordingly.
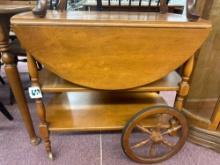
(150, 45)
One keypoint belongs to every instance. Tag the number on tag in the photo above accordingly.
(35, 92)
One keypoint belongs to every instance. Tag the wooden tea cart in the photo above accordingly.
(106, 69)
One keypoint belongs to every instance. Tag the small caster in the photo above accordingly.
(50, 156)
(154, 134)
(35, 141)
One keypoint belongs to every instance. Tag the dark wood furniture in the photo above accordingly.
(6, 12)
(5, 112)
(112, 76)
(135, 6)
(191, 13)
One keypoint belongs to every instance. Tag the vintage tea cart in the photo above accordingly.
(106, 70)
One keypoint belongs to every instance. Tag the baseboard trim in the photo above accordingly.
(205, 138)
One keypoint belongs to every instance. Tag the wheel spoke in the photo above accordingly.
(143, 129)
(152, 150)
(161, 122)
(158, 127)
(167, 143)
(139, 144)
(170, 130)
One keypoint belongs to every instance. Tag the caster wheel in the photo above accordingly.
(50, 156)
(154, 134)
(35, 141)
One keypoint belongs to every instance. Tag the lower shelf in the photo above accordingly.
(96, 111)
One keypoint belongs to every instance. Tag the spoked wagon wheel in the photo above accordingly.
(154, 134)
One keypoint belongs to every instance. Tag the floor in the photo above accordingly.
(78, 149)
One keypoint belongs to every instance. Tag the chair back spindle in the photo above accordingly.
(133, 5)
(62, 5)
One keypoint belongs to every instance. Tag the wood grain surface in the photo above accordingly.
(94, 111)
(107, 50)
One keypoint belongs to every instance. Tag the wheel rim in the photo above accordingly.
(157, 141)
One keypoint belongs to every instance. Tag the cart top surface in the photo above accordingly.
(146, 19)
(110, 50)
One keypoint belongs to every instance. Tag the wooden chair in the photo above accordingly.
(132, 5)
(162, 6)
(120, 5)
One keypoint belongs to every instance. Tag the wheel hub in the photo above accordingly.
(156, 137)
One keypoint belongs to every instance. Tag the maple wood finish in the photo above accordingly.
(132, 50)
(96, 111)
(52, 83)
(184, 85)
(6, 12)
(106, 65)
(32, 66)
(169, 122)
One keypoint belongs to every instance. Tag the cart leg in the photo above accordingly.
(44, 132)
(184, 84)
(16, 87)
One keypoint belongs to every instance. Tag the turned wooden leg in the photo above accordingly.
(184, 84)
(44, 132)
(14, 79)
(43, 127)
(16, 86)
